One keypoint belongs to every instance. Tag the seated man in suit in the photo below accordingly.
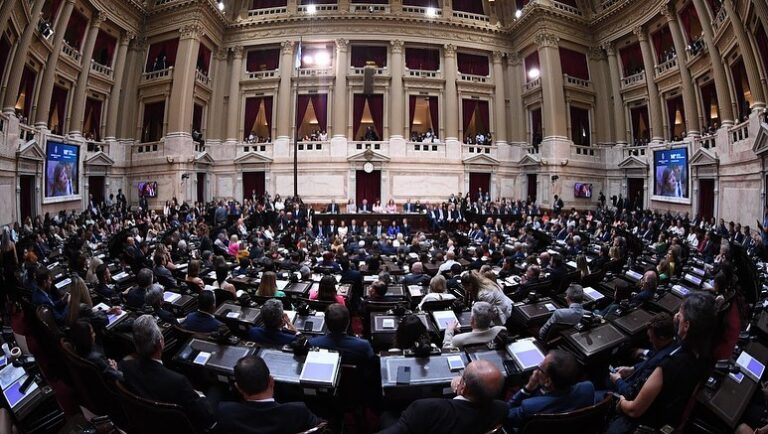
(569, 316)
(162, 274)
(553, 388)
(529, 279)
(332, 207)
(103, 288)
(277, 330)
(474, 410)
(44, 294)
(147, 377)
(202, 321)
(353, 350)
(136, 296)
(416, 276)
(259, 413)
(154, 299)
(482, 332)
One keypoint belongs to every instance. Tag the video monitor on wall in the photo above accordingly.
(148, 189)
(671, 181)
(581, 190)
(62, 180)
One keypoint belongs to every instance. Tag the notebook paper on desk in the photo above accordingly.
(171, 297)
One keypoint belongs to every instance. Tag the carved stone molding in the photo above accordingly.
(127, 38)
(191, 31)
(397, 46)
(498, 56)
(221, 54)
(237, 51)
(286, 47)
(342, 44)
(449, 50)
(98, 18)
(514, 58)
(667, 10)
(544, 39)
(609, 48)
(639, 31)
(596, 53)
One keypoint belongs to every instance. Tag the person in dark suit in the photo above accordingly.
(409, 207)
(147, 377)
(565, 317)
(154, 299)
(103, 288)
(162, 274)
(259, 413)
(332, 207)
(277, 329)
(84, 341)
(353, 350)
(202, 321)
(416, 276)
(42, 297)
(355, 279)
(135, 298)
(474, 410)
(553, 388)
(405, 229)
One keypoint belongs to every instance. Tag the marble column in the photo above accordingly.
(284, 99)
(339, 90)
(216, 106)
(599, 75)
(516, 116)
(619, 115)
(718, 69)
(499, 100)
(745, 47)
(554, 108)
(18, 60)
(689, 96)
(81, 89)
(115, 99)
(49, 75)
(234, 103)
(184, 75)
(451, 95)
(654, 105)
(396, 95)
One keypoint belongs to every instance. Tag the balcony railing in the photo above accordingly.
(315, 72)
(422, 10)
(26, 133)
(304, 9)
(267, 12)
(605, 4)
(696, 47)
(633, 79)
(312, 146)
(591, 153)
(258, 75)
(71, 51)
(739, 132)
(532, 149)
(97, 147)
(575, 81)
(262, 148)
(531, 85)
(364, 7)
(471, 16)
(355, 147)
(635, 151)
(160, 73)
(567, 8)
(202, 77)
(666, 66)
(708, 142)
(425, 149)
(149, 148)
(719, 19)
(422, 73)
(478, 149)
(360, 71)
(101, 69)
(471, 78)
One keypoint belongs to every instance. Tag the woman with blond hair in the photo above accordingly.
(437, 291)
(480, 288)
(90, 275)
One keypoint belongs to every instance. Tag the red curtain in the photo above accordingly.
(358, 105)
(473, 64)
(580, 126)
(253, 181)
(412, 108)
(640, 125)
(531, 62)
(421, 3)
(204, 58)
(375, 105)
(424, 59)
(739, 73)
(479, 181)
(301, 111)
(268, 112)
(471, 6)
(93, 115)
(468, 107)
(688, 17)
(252, 111)
(434, 114)
(75, 29)
(104, 50)
(266, 4)
(484, 114)
(197, 118)
(27, 86)
(574, 63)
(320, 104)
(662, 41)
(263, 60)
(59, 104)
(631, 59)
(51, 9)
(368, 186)
(364, 53)
(762, 46)
(165, 48)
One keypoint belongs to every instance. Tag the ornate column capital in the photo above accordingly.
(498, 56)
(639, 31)
(668, 11)
(127, 37)
(449, 50)
(514, 58)
(221, 54)
(342, 44)
(397, 46)
(545, 39)
(141, 43)
(286, 47)
(98, 18)
(237, 51)
(609, 48)
(193, 31)
(596, 53)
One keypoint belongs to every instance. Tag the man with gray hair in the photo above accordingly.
(277, 329)
(566, 317)
(154, 299)
(416, 276)
(483, 331)
(135, 297)
(146, 376)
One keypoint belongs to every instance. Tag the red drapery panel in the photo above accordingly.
(27, 87)
(161, 49)
(268, 112)
(375, 105)
(531, 62)
(320, 104)
(662, 43)
(263, 60)
(471, 6)
(475, 64)
(266, 4)
(425, 59)
(673, 106)
(434, 114)
(479, 182)
(574, 63)
(5, 51)
(709, 99)
(204, 58)
(197, 117)
(364, 53)
(58, 109)
(104, 50)
(580, 126)
(253, 181)
(75, 29)
(631, 59)
(690, 20)
(303, 104)
(536, 129)
(412, 109)
(358, 105)
(468, 107)
(368, 186)
(484, 114)
(92, 119)
(51, 10)
(154, 116)
(252, 111)
(640, 125)
(422, 3)
(762, 46)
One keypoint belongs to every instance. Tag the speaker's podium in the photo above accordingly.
(410, 378)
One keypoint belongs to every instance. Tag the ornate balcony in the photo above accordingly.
(267, 12)
(71, 51)
(422, 73)
(532, 85)
(567, 8)
(471, 17)
(668, 65)
(259, 75)
(202, 77)
(101, 69)
(369, 8)
(632, 80)
(160, 73)
(576, 82)
(316, 72)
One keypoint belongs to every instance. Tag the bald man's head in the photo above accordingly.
(482, 381)
(417, 268)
